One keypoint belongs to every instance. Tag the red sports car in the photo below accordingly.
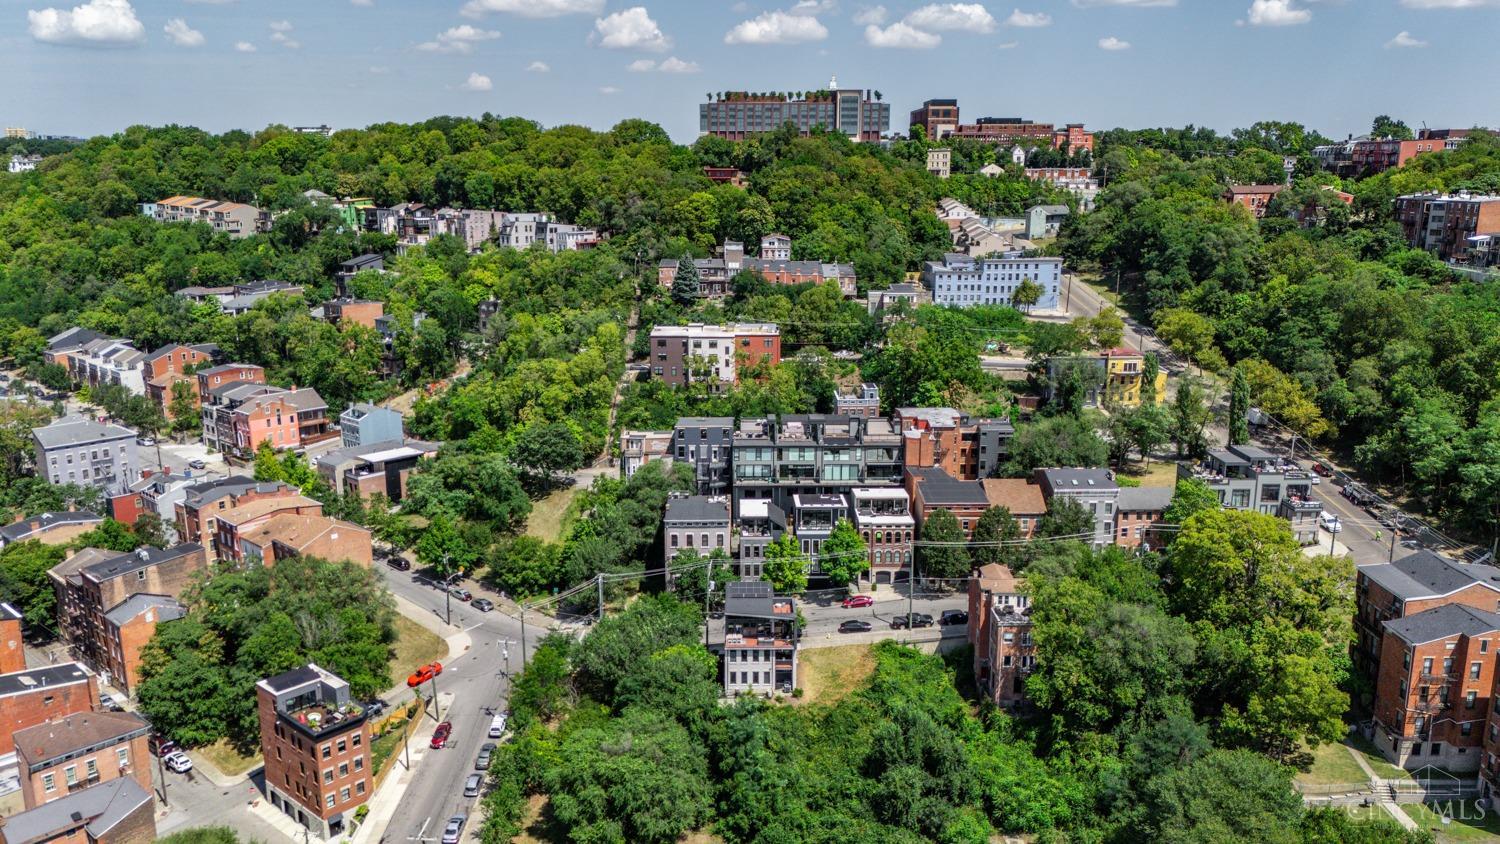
(858, 601)
(441, 734)
(423, 674)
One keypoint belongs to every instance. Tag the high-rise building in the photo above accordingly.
(737, 115)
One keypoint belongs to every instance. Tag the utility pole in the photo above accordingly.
(161, 773)
(406, 737)
(1391, 557)
(708, 586)
(599, 581)
(435, 713)
(447, 592)
(523, 635)
(911, 585)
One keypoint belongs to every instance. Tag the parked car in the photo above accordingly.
(460, 593)
(197, 464)
(113, 702)
(482, 604)
(482, 761)
(399, 563)
(178, 762)
(1330, 523)
(424, 673)
(954, 617)
(145, 441)
(160, 745)
(455, 829)
(1321, 468)
(858, 601)
(375, 706)
(497, 726)
(855, 625)
(472, 784)
(917, 619)
(441, 735)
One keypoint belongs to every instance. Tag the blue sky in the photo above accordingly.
(76, 67)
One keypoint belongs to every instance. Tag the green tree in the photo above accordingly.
(1226, 795)
(843, 556)
(786, 565)
(1190, 497)
(1066, 517)
(25, 585)
(183, 408)
(1190, 416)
(1385, 126)
(442, 547)
(1026, 295)
(1054, 441)
(685, 282)
(621, 642)
(1150, 370)
(1239, 408)
(1191, 335)
(995, 525)
(948, 557)
(111, 536)
(1106, 329)
(689, 585)
(544, 451)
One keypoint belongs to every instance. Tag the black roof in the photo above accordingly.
(1425, 574)
(292, 679)
(937, 487)
(1442, 622)
(65, 674)
(138, 559)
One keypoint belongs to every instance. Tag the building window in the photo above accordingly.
(344, 794)
(359, 763)
(356, 740)
(123, 754)
(70, 774)
(343, 769)
(359, 787)
(328, 776)
(328, 801)
(49, 783)
(327, 751)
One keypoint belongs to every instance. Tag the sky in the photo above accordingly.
(86, 67)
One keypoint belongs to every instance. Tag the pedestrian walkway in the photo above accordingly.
(385, 801)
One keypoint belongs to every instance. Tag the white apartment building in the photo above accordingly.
(963, 281)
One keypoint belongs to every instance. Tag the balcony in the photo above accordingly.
(318, 718)
(1430, 677)
(1431, 706)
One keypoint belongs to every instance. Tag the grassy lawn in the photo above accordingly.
(553, 515)
(384, 749)
(1382, 768)
(228, 760)
(1333, 765)
(1159, 473)
(827, 674)
(415, 645)
(1466, 824)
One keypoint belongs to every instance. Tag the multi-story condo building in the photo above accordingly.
(864, 401)
(1444, 224)
(65, 344)
(240, 298)
(938, 118)
(760, 639)
(711, 354)
(238, 417)
(716, 275)
(1000, 632)
(963, 280)
(232, 218)
(80, 751)
(697, 523)
(760, 524)
(35, 696)
(1250, 478)
(109, 362)
(128, 626)
(1121, 377)
(368, 262)
(882, 515)
(1365, 156)
(1413, 584)
(813, 517)
(1138, 512)
(290, 535)
(940, 162)
(637, 448)
(932, 489)
(737, 115)
(353, 311)
(960, 445)
(116, 812)
(1094, 489)
(1432, 692)
(315, 739)
(81, 451)
(776, 458)
(382, 471)
(705, 443)
(213, 380)
(197, 513)
(233, 525)
(363, 422)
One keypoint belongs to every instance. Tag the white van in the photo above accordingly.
(497, 726)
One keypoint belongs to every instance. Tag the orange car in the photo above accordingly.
(423, 674)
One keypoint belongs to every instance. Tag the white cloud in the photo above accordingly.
(609, 89)
(97, 23)
(1113, 43)
(1450, 4)
(870, 15)
(1277, 13)
(676, 65)
(533, 8)
(281, 26)
(179, 33)
(632, 29)
(777, 28)
(458, 39)
(814, 7)
(952, 17)
(1007, 45)
(1027, 20)
(1404, 39)
(477, 82)
(285, 40)
(641, 66)
(244, 46)
(538, 67)
(1134, 4)
(361, 2)
(901, 35)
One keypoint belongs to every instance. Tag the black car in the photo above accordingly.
(482, 604)
(399, 563)
(954, 617)
(855, 625)
(918, 619)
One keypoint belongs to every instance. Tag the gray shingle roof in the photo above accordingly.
(138, 559)
(167, 609)
(1144, 498)
(77, 431)
(1442, 622)
(99, 808)
(1064, 480)
(1426, 574)
(697, 508)
(63, 674)
(938, 488)
(17, 531)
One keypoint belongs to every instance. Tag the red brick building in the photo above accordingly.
(1000, 632)
(1432, 692)
(231, 526)
(936, 117)
(168, 365)
(1138, 512)
(1256, 198)
(80, 751)
(290, 535)
(198, 511)
(963, 447)
(316, 744)
(1073, 138)
(58, 528)
(358, 311)
(1004, 130)
(933, 489)
(1413, 584)
(1443, 224)
(12, 642)
(1021, 497)
(116, 812)
(38, 695)
(128, 626)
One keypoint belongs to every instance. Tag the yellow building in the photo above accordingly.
(1124, 372)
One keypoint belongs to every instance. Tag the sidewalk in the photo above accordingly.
(384, 802)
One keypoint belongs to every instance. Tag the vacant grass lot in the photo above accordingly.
(553, 515)
(1466, 821)
(415, 645)
(825, 675)
(1333, 765)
